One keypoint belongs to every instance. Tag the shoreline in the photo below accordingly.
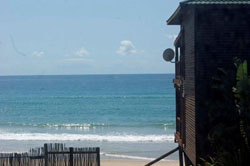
(136, 163)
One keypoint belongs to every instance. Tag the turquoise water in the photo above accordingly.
(128, 116)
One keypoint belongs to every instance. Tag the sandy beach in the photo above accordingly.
(136, 163)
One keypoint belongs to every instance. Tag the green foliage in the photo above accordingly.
(229, 118)
(242, 101)
(210, 162)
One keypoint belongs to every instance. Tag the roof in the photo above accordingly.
(215, 2)
(175, 18)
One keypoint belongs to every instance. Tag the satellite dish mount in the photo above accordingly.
(168, 55)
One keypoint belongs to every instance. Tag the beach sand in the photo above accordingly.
(136, 163)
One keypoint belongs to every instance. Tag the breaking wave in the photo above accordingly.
(85, 137)
(88, 125)
(130, 157)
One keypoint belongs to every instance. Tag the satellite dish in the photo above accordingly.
(168, 55)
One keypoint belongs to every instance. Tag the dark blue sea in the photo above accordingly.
(127, 116)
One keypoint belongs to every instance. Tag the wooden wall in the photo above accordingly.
(189, 84)
(222, 32)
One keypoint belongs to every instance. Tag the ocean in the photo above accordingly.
(127, 116)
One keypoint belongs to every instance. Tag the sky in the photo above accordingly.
(54, 37)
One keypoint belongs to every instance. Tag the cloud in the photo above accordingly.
(171, 36)
(38, 53)
(78, 60)
(78, 57)
(126, 48)
(82, 52)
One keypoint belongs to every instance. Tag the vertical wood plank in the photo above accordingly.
(180, 157)
(45, 154)
(11, 161)
(98, 156)
(71, 151)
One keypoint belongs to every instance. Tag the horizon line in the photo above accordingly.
(83, 74)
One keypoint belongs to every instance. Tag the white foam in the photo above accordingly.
(130, 157)
(85, 137)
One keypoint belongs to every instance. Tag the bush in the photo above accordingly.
(229, 118)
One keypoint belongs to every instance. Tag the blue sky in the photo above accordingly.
(43, 37)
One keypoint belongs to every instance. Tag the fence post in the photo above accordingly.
(98, 156)
(11, 160)
(71, 150)
(19, 159)
(46, 154)
(15, 159)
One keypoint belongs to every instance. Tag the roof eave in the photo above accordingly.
(175, 17)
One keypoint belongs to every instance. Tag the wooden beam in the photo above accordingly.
(180, 157)
(162, 157)
(177, 82)
(178, 139)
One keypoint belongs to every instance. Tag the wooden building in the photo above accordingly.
(212, 33)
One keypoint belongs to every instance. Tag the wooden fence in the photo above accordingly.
(53, 155)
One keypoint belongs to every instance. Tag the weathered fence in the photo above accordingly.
(53, 155)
